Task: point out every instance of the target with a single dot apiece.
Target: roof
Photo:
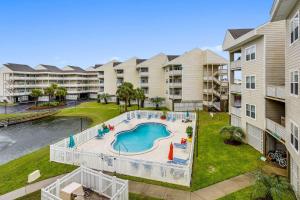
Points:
(76, 69)
(236, 33)
(116, 63)
(19, 67)
(49, 68)
(172, 57)
(138, 61)
(97, 65)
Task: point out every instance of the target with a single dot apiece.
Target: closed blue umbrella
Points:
(187, 114)
(71, 141)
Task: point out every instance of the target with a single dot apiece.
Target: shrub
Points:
(189, 131)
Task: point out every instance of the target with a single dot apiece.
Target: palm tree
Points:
(140, 97)
(104, 96)
(124, 92)
(131, 92)
(61, 93)
(272, 187)
(232, 134)
(157, 101)
(50, 92)
(36, 93)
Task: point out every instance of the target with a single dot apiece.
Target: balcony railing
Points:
(145, 73)
(276, 129)
(235, 64)
(175, 96)
(236, 88)
(175, 72)
(276, 92)
(236, 111)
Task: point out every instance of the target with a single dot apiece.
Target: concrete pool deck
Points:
(158, 154)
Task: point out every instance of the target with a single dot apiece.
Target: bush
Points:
(189, 131)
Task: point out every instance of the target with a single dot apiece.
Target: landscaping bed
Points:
(48, 105)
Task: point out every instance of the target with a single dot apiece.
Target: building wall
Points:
(292, 102)
(130, 71)
(110, 79)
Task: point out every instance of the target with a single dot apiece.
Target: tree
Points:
(104, 96)
(140, 97)
(232, 134)
(61, 93)
(124, 92)
(157, 101)
(131, 92)
(272, 187)
(50, 91)
(36, 93)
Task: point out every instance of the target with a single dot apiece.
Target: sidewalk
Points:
(212, 192)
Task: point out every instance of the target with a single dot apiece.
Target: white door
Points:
(235, 121)
(255, 137)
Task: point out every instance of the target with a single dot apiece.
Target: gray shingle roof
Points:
(138, 61)
(116, 63)
(19, 67)
(50, 68)
(172, 57)
(236, 33)
(77, 69)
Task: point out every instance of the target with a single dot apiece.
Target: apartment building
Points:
(196, 78)
(256, 100)
(289, 11)
(17, 81)
(201, 71)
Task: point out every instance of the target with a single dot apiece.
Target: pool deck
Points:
(158, 154)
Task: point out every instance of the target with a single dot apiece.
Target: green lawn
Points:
(216, 161)
(7, 104)
(37, 196)
(243, 194)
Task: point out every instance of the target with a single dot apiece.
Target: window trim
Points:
(296, 125)
(250, 111)
(250, 82)
(290, 82)
(290, 26)
(249, 47)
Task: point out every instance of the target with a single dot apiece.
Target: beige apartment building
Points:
(195, 79)
(17, 81)
(289, 11)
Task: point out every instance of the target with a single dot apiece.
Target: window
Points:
(294, 82)
(294, 28)
(294, 136)
(250, 111)
(250, 82)
(250, 53)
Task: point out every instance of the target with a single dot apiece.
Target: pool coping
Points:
(155, 142)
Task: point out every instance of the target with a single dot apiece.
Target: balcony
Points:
(235, 65)
(277, 92)
(235, 111)
(176, 72)
(208, 90)
(236, 88)
(277, 130)
(175, 85)
(175, 96)
(144, 73)
(144, 84)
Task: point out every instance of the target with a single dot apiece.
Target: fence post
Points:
(100, 182)
(81, 175)
(126, 191)
(57, 187)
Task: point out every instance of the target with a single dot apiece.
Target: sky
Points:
(88, 32)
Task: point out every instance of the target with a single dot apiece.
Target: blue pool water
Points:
(139, 139)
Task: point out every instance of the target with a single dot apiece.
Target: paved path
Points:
(212, 192)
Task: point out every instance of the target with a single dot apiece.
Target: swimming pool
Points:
(140, 139)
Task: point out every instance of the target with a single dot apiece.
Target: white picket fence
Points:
(171, 173)
(108, 186)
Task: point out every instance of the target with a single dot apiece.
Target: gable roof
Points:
(19, 67)
(172, 57)
(138, 61)
(76, 69)
(49, 68)
(236, 33)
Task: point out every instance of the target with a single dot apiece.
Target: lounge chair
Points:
(178, 161)
(100, 134)
(111, 128)
(156, 116)
(126, 121)
(180, 146)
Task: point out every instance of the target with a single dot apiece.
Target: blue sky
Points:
(85, 32)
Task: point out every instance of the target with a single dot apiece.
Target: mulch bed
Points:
(232, 142)
(45, 107)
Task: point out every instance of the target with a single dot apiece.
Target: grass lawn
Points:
(4, 116)
(239, 195)
(37, 196)
(7, 104)
(216, 161)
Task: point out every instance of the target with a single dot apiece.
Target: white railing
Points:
(235, 64)
(108, 186)
(276, 129)
(276, 91)
(171, 173)
(236, 88)
(236, 111)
